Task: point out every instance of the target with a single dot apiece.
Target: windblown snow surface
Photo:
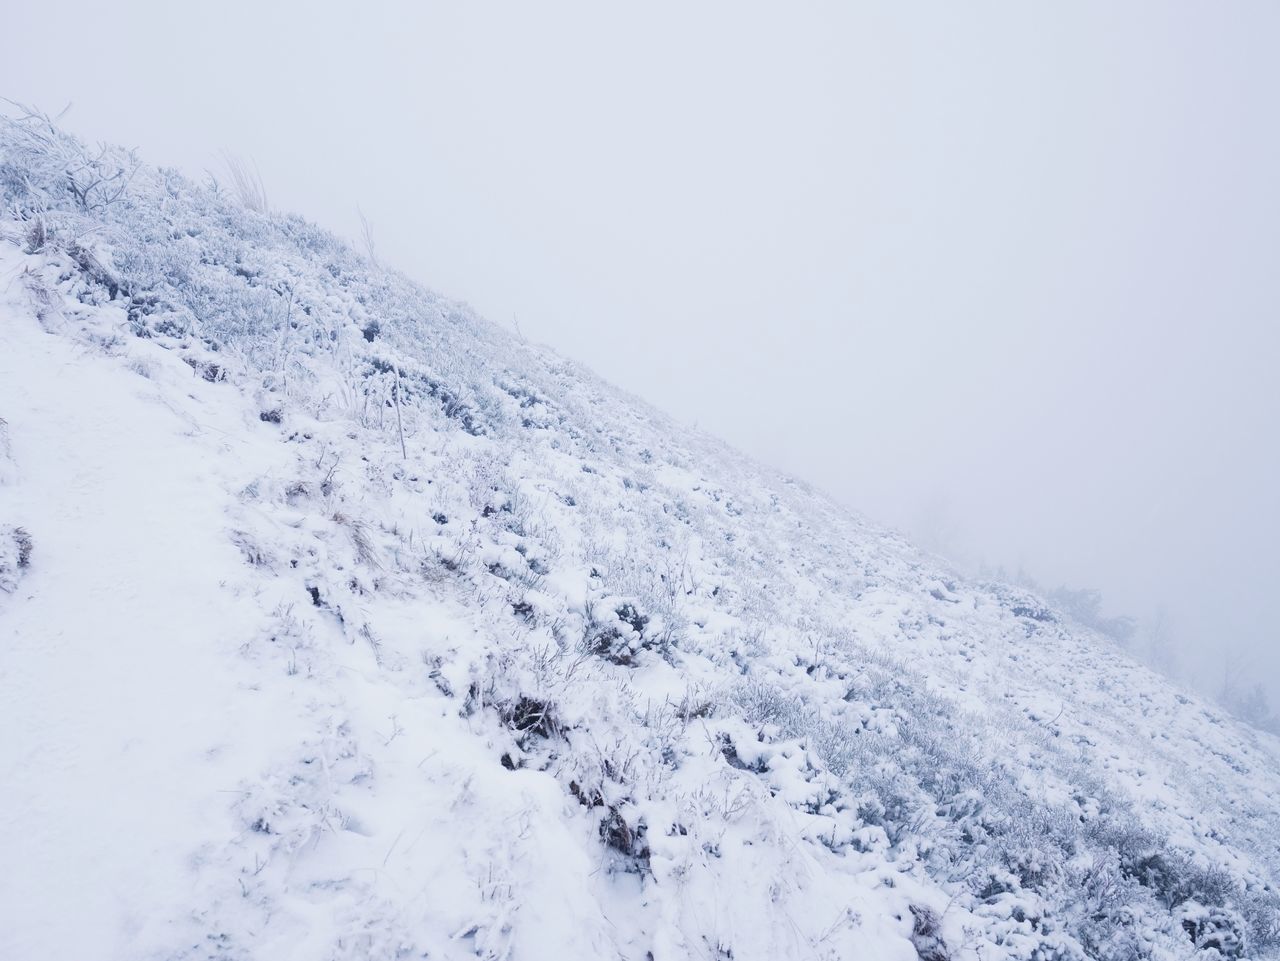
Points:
(335, 623)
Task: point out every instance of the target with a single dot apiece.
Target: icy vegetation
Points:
(336, 623)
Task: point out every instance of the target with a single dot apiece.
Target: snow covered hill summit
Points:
(335, 623)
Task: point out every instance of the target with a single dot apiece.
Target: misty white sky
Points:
(1001, 274)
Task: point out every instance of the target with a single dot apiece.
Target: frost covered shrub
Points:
(764, 703)
(626, 838)
(41, 167)
(37, 235)
(926, 934)
(919, 774)
(654, 594)
(531, 716)
(15, 556)
(274, 289)
(1214, 929)
(615, 630)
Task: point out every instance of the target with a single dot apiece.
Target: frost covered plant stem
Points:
(247, 184)
(404, 453)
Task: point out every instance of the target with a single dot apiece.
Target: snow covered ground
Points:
(347, 626)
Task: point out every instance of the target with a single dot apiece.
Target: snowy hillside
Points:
(337, 623)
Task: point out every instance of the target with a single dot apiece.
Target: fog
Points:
(1002, 275)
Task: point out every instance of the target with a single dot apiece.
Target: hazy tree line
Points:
(1153, 639)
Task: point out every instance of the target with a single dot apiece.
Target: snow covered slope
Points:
(335, 623)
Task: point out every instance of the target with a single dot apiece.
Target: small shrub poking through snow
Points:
(532, 717)
(926, 934)
(626, 839)
(15, 556)
(1215, 929)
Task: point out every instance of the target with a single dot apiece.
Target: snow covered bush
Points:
(15, 556)
(1216, 930)
(926, 934)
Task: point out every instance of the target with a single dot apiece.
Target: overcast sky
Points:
(1004, 275)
